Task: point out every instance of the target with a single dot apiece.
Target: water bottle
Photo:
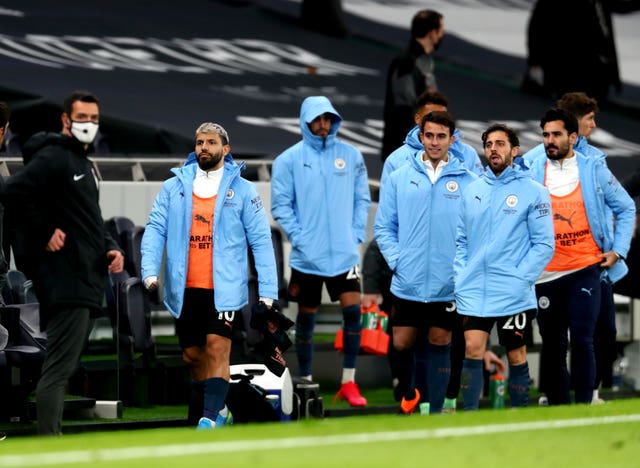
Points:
(619, 369)
(496, 391)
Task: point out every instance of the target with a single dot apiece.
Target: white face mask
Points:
(85, 132)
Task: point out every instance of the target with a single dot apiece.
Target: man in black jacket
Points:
(4, 267)
(409, 75)
(67, 247)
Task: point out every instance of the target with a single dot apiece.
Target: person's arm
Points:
(362, 201)
(375, 270)
(26, 191)
(624, 211)
(385, 227)
(258, 232)
(460, 260)
(283, 198)
(541, 237)
(154, 239)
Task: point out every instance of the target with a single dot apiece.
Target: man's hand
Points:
(150, 283)
(609, 259)
(491, 358)
(369, 299)
(57, 241)
(116, 261)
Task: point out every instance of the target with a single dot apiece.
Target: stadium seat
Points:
(21, 358)
(19, 289)
(130, 315)
(131, 240)
(278, 250)
(116, 226)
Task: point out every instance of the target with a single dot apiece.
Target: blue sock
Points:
(215, 394)
(305, 324)
(438, 372)
(519, 385)
(471, 383)
(421, 372)
(196, 401)
(404, 373)
(352, 328)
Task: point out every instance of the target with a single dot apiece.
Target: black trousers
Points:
(66, 335)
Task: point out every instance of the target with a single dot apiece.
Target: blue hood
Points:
(311, 108)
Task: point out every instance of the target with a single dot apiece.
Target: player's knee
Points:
(474, 350)
(517, 356)
(191, 356)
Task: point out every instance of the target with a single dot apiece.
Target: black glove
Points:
(261, 314)
(272, 355)
(274, 325)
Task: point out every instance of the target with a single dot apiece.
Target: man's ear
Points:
(66, 121)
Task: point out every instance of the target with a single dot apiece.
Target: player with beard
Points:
(320, 197)
(588, 247)
(504, 240)
(584, 108)
(66, 246)
(207, 216)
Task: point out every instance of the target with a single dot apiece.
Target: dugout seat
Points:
(130, 316)
(21, 358)
(19, 289)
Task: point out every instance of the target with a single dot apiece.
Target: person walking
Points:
(320, 197)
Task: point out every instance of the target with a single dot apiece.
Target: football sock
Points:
(215, 394)
(471, 383)
(196, 402)
(404, 373)
(438, 371)
(348, 375)
(351, 320)
(519, 384)
(305, 324)
(421, 353)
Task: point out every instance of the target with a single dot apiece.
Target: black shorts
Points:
(423, 315)
(513, 330)
(306, 289)
(200, 318)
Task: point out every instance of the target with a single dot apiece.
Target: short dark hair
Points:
(431, 97)
(424, 22)
(439, 117)
(579, 104)
(498, 127)
(569, 120)
(79, 95)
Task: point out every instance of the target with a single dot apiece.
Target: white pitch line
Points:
(135, 453)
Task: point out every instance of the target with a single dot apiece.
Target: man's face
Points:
(321, 125)
(80, 112)
(3, 133)
(437, 36)
(424, 110)
(499, 152)
(558, 143)
(436, 140)
(586, 124)
(210, 151)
